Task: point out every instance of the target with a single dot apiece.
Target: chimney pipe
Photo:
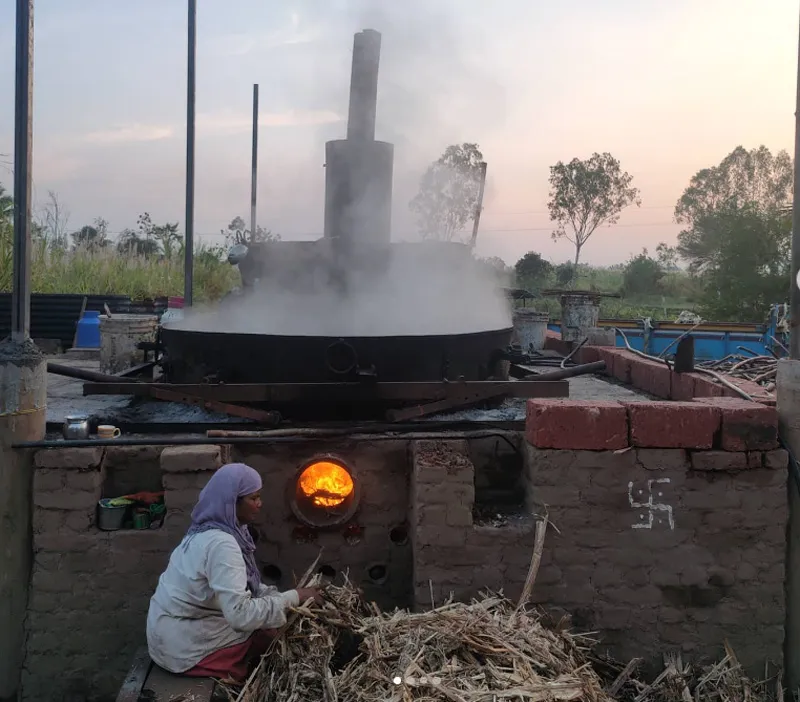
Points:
(364, 86)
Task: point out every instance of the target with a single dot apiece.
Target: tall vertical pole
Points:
(794, 299)
(190, 95)
(23, 142)
(788, 386)
(254, 166)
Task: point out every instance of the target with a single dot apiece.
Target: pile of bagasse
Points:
(490, 650)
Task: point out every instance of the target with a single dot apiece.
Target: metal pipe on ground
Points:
(84, 374)
(564, 373)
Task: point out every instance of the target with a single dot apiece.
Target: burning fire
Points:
(326, 484)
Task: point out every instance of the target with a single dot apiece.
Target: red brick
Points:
(607, 355)
(650, 376)
(589, 354)
(672, 424)
(682, 387)
(571, 424)
(746, 426)
(622, 365)
(704, 386)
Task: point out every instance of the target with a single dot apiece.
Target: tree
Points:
(742, 177)
(642, 275)
(238, 233)
(667, 257)
(532, 270)
(92, 238)
(497, 269)
(54, 222)
(585, 195)
(448, 192)
(565, 273)
(737, 233)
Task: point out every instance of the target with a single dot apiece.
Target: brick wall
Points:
(90, 589)
(452, 552)
(381, 469)
(668, 521)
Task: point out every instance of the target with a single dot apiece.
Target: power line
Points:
(488, 211)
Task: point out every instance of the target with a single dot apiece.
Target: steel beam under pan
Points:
(340, 392)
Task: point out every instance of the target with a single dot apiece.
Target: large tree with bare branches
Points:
(585, 195)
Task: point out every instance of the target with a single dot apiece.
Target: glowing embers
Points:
(326, 484)
(325, 492)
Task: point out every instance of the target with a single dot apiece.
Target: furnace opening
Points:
(325, 492)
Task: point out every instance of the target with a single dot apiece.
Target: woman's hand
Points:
(308, 593)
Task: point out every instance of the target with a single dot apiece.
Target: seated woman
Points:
(210, 615)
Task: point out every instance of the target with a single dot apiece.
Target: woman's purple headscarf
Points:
(216, 509)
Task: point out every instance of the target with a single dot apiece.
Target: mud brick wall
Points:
(90, 589)
(374, 543)
(453, 554)
(672, 523)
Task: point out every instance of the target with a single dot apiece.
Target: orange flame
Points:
(326, 484)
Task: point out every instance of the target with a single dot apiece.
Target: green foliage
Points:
(92, 238)
(532, 271)
(744, 256)
(642, 276)
(585, 195)
(496, 268)
(566, 273)
(737, 235)
(448, 193)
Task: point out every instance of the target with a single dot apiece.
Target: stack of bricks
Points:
(90, 589)
(656, 378)
(671, 522)
(452, 555)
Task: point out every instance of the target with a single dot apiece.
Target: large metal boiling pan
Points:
(197, 356)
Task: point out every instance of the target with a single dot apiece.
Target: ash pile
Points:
(352, 306)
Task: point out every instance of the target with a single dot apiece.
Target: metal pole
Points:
(23, 138)
(788, 383)
(190, 94)
(254, 166)
(794, 304)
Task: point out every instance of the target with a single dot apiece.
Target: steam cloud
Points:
(423, 288)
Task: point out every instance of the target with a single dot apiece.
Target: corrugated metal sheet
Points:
(55, 316)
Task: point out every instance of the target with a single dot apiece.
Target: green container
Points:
(141, 520)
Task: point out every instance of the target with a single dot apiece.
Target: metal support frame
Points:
(188, 262)
(254, 167)
(340, 392)
(23, 143)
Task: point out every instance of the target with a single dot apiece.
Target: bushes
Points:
(104, 271)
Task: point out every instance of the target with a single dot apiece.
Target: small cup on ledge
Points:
(108, 431)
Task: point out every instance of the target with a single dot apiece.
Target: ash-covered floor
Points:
(65, 397)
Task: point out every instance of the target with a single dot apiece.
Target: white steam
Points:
(423, 289)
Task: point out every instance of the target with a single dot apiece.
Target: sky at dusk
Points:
(667, 87)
